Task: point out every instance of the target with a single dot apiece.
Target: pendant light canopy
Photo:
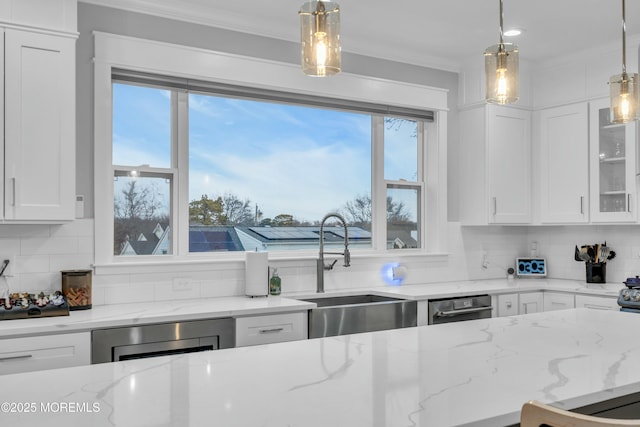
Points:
(625, 101)
(320, 38)
(501, 68)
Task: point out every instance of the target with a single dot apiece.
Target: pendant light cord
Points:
(501, 42)
(624, 41)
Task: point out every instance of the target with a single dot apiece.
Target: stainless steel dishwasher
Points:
(160, 339)
(448, 310)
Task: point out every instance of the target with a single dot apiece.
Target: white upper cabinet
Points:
(509, 165)
(495, 171)
(39, 125)
(613, 169)
(563, 147)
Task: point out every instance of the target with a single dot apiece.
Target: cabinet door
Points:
(564, 164)
(507, 305)
(613, 183)
(39, 126)
(530, 303)
(509, 165)
(558, 301)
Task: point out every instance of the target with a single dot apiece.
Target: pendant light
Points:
(320, 38)
(624, 87)
(501, 69)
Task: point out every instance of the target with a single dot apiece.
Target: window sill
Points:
(236, 260)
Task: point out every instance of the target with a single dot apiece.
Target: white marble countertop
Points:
(475, 373)
(106, 316)
(486, 286)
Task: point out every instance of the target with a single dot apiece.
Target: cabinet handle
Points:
(495, 206)
(13, 191)
(629, 202)
(581, 205)
(24, 356)
(271, 331)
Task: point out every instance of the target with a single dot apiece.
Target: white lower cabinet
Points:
(597, 303)
(44, 352)
(271, 328)
(558, 301)
(531, 302)
(507, 305)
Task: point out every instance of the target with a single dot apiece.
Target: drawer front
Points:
(597, 303)
(271, 328)
(558, 301)
(44, 352)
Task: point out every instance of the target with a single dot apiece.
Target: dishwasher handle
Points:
(461, 311)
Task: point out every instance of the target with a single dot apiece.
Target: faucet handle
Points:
(347, 257)
(330, 266)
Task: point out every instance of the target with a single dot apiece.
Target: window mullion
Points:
(180, 145)
(379, 189)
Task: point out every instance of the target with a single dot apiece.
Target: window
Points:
(160, 115)
(259, 174)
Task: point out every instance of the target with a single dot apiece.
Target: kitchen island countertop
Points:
(476, 373)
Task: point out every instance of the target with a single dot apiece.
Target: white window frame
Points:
(116, 51)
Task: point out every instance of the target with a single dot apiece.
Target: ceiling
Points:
(442, 34)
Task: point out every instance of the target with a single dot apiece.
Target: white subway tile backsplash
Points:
(9, 246)
(32, 264)
(52, 245)
(86, 245)
(32, 282)
(221, 288)
(129, 294)
(22, 231)
(78, 261)
(80, 227)
(169, 292)
(41, 251)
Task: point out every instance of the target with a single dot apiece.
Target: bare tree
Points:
(236, 211)
(358, 211)
(137, 203)
(137, 209)
(396, 212)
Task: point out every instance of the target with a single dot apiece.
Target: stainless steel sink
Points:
(341, 315)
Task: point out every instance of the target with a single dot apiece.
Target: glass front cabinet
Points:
(613, 168)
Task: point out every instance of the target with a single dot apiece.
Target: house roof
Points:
(207, 238)
(309, 234)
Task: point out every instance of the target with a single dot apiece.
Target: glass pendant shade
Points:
(320, 38)
(501, 70)
(625, 100)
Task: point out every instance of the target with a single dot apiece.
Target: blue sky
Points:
(287, 159)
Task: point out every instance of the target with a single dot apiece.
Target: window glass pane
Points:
(402, 218)
(262, 175)
(142, 214)
(141, 126)
(400, 149)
